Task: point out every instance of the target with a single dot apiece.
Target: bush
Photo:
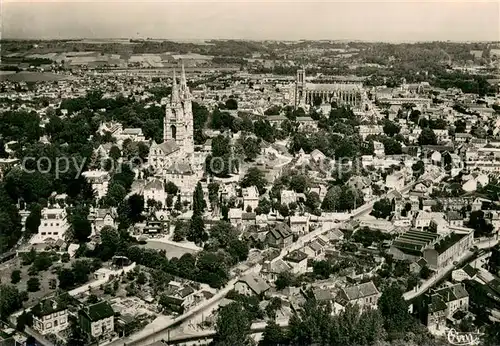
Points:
(15, 277)
(33, 285)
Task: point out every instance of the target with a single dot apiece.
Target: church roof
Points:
(174, 97)
(168, 147)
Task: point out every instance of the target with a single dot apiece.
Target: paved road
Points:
(155, 334)
(486, 244)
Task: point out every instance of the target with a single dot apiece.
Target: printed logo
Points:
(460, 338)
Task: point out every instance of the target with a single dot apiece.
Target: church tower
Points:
(178, 121)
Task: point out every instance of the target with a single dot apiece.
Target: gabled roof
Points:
(256, 283)
(168, 147)
(360, 291)
(154, 184)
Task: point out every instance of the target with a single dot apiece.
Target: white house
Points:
(49, 317)
(395, 181)
(99, 181)
(250, 198)
(155, 190)
(53, 225)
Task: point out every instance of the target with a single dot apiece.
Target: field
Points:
(34, 77)
(172, 250)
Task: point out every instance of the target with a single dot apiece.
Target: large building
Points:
(53, 225)
(350, 94)
(173, 159)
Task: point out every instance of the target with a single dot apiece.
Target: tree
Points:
(213, 194)
(392, 146)
(425, 272)
(390, 128)
(171, 188)
(254, 177)
(233, 326)
(135, 208)
(283, 210)
(272, 336)
(382, 209)
(264, 206)
(15, 276)
(33, 285)
(199, 203)
(81, 227)
(299, 183)
(418, 168)
(427, 137)
(33, 219)
(197, 232)
(231, 104)
(283, 280)
(394, 310)
(115, 153)
(10, 300)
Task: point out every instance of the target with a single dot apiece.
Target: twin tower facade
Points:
(178, 120)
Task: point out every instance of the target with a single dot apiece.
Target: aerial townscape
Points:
(236, 192)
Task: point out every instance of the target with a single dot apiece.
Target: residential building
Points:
(100, 218)
(97, 320)
(99, 181)
(50, 317)
(251, 284)
(365, 295)
(53, 225)
(298, 261)
(250, 198)
(279, 236)
(155, 190)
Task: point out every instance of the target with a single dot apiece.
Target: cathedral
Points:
(173, 159)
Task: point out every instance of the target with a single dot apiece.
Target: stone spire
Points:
(183, 86)
(174, 100)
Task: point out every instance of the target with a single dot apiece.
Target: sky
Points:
(368, 20)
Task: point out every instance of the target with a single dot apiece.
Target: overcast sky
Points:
(403, 20)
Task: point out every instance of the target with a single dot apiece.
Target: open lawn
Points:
(44, 277)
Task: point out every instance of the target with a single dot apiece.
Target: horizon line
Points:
(179, 40)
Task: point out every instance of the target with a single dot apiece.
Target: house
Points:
(271, 269)
(134, 134)
(50, 317)
(395, 181)
(298, 261)
(299, 224)
(455, 219)
(114, 128)
(99, 181)
(97, 320)
(100, 218)
(251, 284)
(180, 300)
(288, 196)
(417, 266)
(279, 236)
(235, 215)
(53, 225)
(155, 190)
(250, 198)
(445, 302)
(314, 249)
(465, 273)
(317, 156)
(365, 295)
